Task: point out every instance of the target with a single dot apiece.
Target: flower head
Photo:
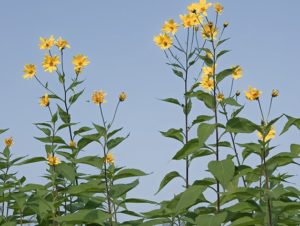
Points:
(61, 43)
(225, 24)
(122, 96)
(218, 8)
(29, 71)
(271, 134)
(170, 27)
(252, 93)
(44, 101)
(46, 43)
(203, 7)
(208, 71)
(79, 61)
(193, 8)
(237, 72)
(209, 55)
(164, 41)
(220, 97)
(72, 144)
(50, 63)
(275, 93)
(8, 142)
(209, 31)
(191, 20)
(98, 97)
(207, 83)
(53, 160)
(109, 158)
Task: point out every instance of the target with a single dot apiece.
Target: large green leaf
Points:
(174, 133)
(172, 101)
(170, 176)
(115, 142)
(125, 173)
(223, 171)
(241, 125)
(291, 122)
(223, 74)
(32, 160)
(120, 189)
(91, 160)
(204, 132)
(67, 171)
(189, 148)
(211, 220)
(206, 98)
(84, 216)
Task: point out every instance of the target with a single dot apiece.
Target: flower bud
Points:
(122, 97)
(275, 93)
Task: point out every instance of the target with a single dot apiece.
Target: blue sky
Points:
(117, 38)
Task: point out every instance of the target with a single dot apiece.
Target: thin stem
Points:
(231, 87)
(115, 113)
(261, 111)
(44, 86)
(270, 107)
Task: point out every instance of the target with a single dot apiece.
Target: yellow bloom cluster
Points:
(271, 134)
(164, 41)
(109, 158)
(209, 31)
(207, 83)
(47, 43)
(50, 63)
(98, 97)
(170, 27)
(29, 71)
(61, 43)
(44, 101)
(53, 160)
(237, 72)
(252, 93)
(8, 142)
(191, 20)
(79, 61)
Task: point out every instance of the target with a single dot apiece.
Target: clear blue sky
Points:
(117, 38)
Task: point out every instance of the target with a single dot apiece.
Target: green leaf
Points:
(202, 118)
(178, 73)
(295, 149)
(190, 197)
(109, 135)
(206, 98)
(204, 132)
(211, 220)
(92, 161)
(54, 118)
(172, 101)
(222, 53)
(67, 171)
(174, 133)
(190, 147)
(209, 62)
(121, 189)
(32, 160)
(170, 176)
(55, 139)
(84, 216)
(241, 125)
(188, 107)
(82, 130)
(222, 41)
(73, 98)
(231, 101)
(125, 173)
(134, 200)
(223, 171)
(3, 130)
(223, 74)
(100, 129)
(64, 116)
(115, 142)
(291, 122)
(236, 112)
(246, 221)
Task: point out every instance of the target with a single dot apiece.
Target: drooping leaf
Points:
(189, 148)
(126, 173)
(174, 133)
(115, 142)
(168, 178)
(172, 101)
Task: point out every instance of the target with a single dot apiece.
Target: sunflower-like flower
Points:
(46, 43)
(50, 63)
(53, 160)
(29, 71)
(203, 7)
(252, 93)
(191, 20)
(170, 27)
(44, 101)
(271, 134)
(218, 8)
(209, 31)
(8, 142)
(61, 43)
(98, 97)
(207, 83)
(164, 41)
(109, 158)
(237, 72)
(220, 97)
(79, 61)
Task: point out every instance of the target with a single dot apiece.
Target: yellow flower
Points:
(218, 8)
(79, 61)
(29, 71)
(203, 7)
(209, 31)
(275, 93)
(72, 144)
(109, 158)
(271, 134)
(252, 93)
(237, 72)
(44, 101)
(193, 8)
(50, 63)
(46, 43)
(98, 97)
(8, 142)
(220, 97)
(170, 27)
(122, 96)
(191, 20)
(207, 83)
(209, 55)
(62, 44)
(53, 160)
(164, 41)
(208, 71)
